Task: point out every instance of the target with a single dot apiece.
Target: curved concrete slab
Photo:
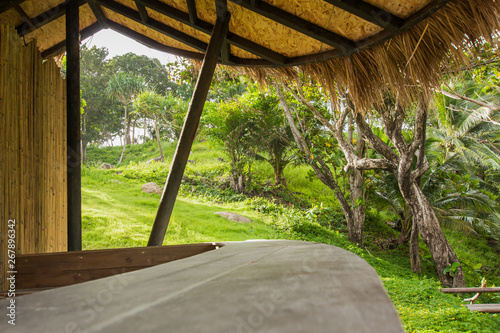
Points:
(252, 286)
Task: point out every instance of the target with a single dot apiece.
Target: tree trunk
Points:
(126, 136)
(406, 226)
(159, 142)
(358, 207)
(133, 131)
(237, 182)
(356, 182)
(416, 267)
(84, 150)
(431, 232)
(279, 179)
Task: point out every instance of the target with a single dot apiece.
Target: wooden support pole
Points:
(189, 131)
(73, 126)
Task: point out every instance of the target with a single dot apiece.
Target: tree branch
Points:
(455, 95)
(380, 146)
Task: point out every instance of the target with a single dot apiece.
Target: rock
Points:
(151, 188)
(119, 172)
(156, 159)
(106, 166)
(191, 161)
(234, 217)
(116, 181)
(220, 159)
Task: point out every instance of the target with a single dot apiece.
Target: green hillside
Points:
(116, 213)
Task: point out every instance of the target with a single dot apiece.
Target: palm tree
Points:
(124, 88)
(463, 149)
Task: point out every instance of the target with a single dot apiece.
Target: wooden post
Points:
(73, 125)
(189, 131)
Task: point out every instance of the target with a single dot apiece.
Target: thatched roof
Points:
(362, 45)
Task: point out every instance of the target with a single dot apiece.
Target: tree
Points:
(124, 88)
(400, 160)
(230, 125)
(157, 108)
(353, 203)
(156, 76)
(270, 133)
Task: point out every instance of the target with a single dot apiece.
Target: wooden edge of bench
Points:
(471, 290)
(487, 308)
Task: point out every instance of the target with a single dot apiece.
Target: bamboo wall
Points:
(32, 150)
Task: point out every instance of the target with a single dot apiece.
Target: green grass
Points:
(120, 215)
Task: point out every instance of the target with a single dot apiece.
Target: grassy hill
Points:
(116, 213)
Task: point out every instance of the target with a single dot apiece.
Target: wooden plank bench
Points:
(38, 272)
(487, 308)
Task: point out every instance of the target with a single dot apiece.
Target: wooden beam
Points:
(486, 308)
(151, 43)
(296, 23)
(6, 5)
(226, 53)
(193, 14)
(61, 47)
(142, 11)
(206, 27)
(370, 13)
(45, 18)
(369, 42)
(155, 25)
(25, 16)
(257, 49)
(177, 15)
(189, 131)
(49, 270)
(471, 290)
(98, 13)
(73, 126)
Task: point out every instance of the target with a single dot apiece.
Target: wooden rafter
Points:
(6, 5)
(44, 18)
(381, 37)
(151, 43)
(98, 13)
(193, 14)
(257, 49)
(206, 27)
(297, 23)
(142, 11)
(61, 47)
(393, 26)
(370, 13)
(155, 25)
(25, 16)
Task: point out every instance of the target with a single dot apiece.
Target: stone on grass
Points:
(115, 181)
(151, 188)
(234, 217)
(156, 159)
(106, 166)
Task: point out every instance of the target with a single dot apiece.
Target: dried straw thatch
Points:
(338, 47)
(410, 63)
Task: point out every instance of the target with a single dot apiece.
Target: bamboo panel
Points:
(32, 150)
(3, 157)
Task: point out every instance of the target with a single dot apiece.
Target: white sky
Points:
(118, 44)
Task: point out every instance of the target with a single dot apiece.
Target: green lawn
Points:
(121, 215)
